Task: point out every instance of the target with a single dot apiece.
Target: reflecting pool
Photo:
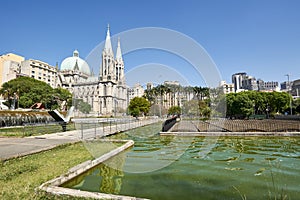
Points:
(234, 168)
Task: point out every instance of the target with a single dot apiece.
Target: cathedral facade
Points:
(105, 93)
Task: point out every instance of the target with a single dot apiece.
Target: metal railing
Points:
(97, 128)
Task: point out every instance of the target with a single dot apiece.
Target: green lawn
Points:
(21, 176)
(25, 131)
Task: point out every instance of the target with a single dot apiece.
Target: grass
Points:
(26, 131)
(21, 176)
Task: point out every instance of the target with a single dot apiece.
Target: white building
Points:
(227, 87)
(136, 91)
(107, 93)
(13, 66)
(73, 70)
(41, 71)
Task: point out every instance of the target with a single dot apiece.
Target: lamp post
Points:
(289, 88)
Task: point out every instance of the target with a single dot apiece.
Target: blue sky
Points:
(260, 37)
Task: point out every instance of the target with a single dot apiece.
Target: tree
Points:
(26, 91)
(297, 105)
(244, 104)
(150, 96)
(201, 93)
(85, 107)
(59, 97)
(174, 110)
(82, 106)
(138, 106)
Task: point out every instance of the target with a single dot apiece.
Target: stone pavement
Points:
(15, 147)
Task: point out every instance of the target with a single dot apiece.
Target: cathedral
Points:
(106, 93)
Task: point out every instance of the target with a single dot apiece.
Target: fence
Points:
(266, 125)
(30, 129)
(97, 128)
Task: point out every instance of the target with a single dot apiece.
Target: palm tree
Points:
(201, 93)
(161, 90)
(150, 96)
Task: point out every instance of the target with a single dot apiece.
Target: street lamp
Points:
(289, 88)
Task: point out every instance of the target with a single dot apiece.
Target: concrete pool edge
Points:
(217, 134)
(53, 186)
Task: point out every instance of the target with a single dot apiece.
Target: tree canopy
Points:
(174, 110)
(166, 96)
(82, 106)
(246, 103)
(138, 106)
(27, 91)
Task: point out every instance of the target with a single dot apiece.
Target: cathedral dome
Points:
(75, 63)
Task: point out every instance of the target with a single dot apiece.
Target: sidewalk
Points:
(15, 147)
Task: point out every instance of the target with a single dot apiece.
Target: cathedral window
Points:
(117, 74)
(104, 103)
(105, 90)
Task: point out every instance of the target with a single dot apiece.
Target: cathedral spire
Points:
(119, 52)
(107, 46)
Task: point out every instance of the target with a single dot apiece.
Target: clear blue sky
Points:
(260, 37)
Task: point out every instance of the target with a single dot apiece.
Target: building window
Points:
(105, 90)
(32, 72)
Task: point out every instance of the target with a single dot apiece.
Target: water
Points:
(235, 168)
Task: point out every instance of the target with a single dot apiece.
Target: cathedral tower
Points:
(107, 70)
(119, 65)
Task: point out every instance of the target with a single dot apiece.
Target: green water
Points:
(177, 168)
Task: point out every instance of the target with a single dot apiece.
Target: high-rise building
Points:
(10, 67)
(271, 86)
(243, 82)
(249, 83)
(295, 89)
(41, 71)
(237, 80)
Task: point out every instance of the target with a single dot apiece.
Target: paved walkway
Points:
(15, 147)
(184, 126)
